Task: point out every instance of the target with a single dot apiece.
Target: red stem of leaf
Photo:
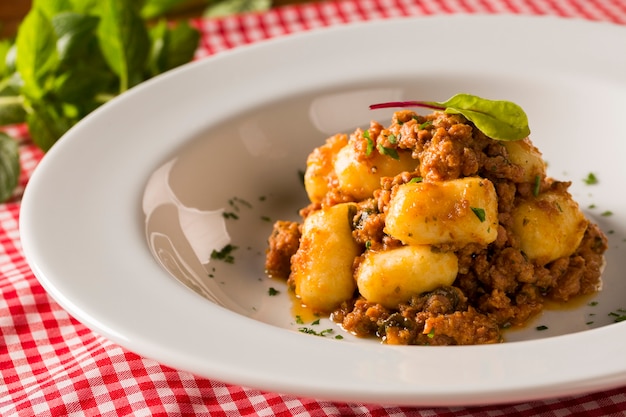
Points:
(406, 104)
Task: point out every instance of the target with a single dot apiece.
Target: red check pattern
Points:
(52, 365)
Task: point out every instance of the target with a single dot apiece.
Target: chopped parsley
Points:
(392, 139)
(390, 152)
(607, 213)
(541, 328)
(236, 202)
(537, 186)
(308, 330)
(415, 180)
(591, 179)
(226, 254)
(370, 143)
(618, 315)
(480, 213)
(273, 291)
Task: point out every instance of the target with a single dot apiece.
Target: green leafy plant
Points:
(71, 56)
(498, 119)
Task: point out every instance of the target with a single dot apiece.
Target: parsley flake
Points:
(390, 152)
(480, 213)
(591, 179)
(225, 254)
(370, 143)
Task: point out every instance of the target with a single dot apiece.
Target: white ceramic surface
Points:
(157, 168)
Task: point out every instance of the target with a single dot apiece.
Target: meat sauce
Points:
(498, 284)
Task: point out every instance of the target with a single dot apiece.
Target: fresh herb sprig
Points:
(71, 56)
(498, 119)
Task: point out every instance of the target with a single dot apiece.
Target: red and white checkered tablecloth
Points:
(52, 365)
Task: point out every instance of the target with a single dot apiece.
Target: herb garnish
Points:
(619, 315)
(370, 143)
(321, 333)
(537, 186)
(273, 291)
(480, 213)
(390, 152)
(70, 57)
(541, 328)
(226, 254)
(591, 179)
(498, 119)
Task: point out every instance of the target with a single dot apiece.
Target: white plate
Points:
(239, 126)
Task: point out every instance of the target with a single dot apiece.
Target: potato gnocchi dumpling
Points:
(426, 231)
(458, 211)
(549, 226)
(359, 177)
(393, 276)
(321, 268)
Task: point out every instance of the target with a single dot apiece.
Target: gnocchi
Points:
(459, 211)
(524, 154)
(322, 265)
(429, 232)
(549, 226)
(392, 277)
(359, 178)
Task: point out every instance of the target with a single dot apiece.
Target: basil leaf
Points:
(9, 166)
(9, 60)
(83, 73)
(498, 119)
(47, 123)
(82, 84)
(52, 7)
(171, 47)
(159, 39)
(75, 33)
(11, 105)
(124, 41)
(182, 45)
(36, 57)
(5, 48)
(226, 8)
(156, 8)
(85, 6)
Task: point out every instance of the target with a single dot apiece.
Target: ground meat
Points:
(441, 317)
(497, 286)
(283, 243)
(580, 273)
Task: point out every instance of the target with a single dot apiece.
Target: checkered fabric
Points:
(52, 365)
